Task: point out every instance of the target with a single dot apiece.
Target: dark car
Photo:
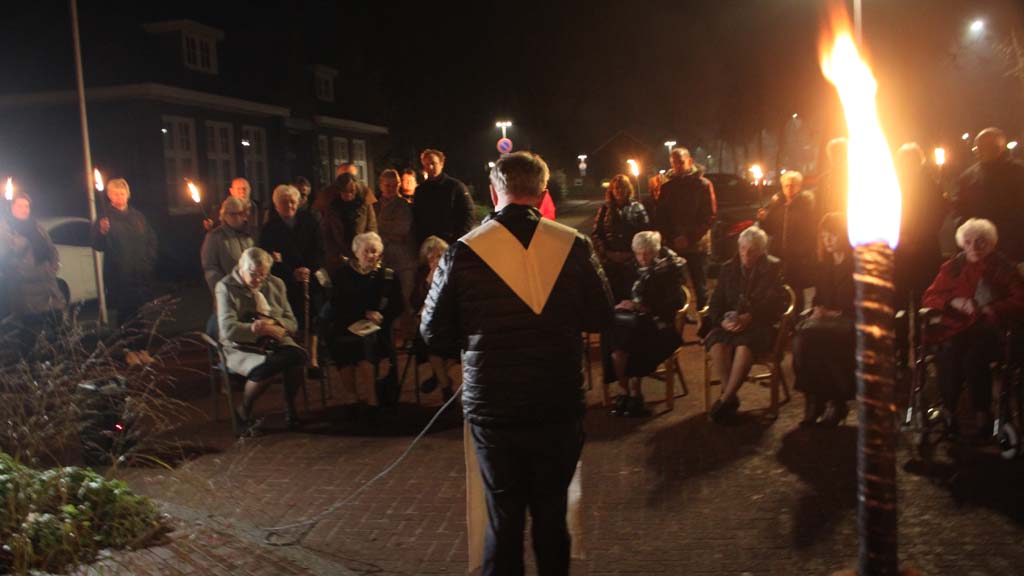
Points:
(738, 201)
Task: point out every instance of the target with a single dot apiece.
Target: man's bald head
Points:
(990, 144)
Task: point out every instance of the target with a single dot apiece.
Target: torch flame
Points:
(757, 172)
(97, 179)
(873, 198)
(9, 189)
(194, 190)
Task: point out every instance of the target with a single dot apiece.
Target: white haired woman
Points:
(440, 360)
(643, 331)
(979, 292)
(364, 301)
(745, 306)
(292, 237)
(256, 324)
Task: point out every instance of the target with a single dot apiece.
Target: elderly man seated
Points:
(256, 324)
(643, 331)
(978, 293)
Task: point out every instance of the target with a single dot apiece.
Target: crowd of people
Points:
(799, 239)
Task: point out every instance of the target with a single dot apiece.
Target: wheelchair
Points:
(927, 417)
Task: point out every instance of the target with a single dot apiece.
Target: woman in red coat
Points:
(979, 293)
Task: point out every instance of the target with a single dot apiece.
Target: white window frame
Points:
(359, 158)
(254, 158)
(324, 87)
(199, 42)
(339, 152)
(219, 175)
(184, 161)
(323, 155)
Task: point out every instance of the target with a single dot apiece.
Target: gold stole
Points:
(531, 273)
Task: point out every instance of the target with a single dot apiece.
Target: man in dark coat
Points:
(130, 247)
(442, 205)
(685, 211)
(791, 222)
(514, 295)
(993, 189)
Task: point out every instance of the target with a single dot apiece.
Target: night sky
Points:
(572, 74)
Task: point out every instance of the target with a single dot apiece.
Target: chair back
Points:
(680, 320)
(785, 323)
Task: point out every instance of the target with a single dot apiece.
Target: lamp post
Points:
(670, 144)
(582, 165)
(504, 125)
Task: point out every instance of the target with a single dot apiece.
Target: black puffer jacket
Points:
(442, 207)
(519, 368)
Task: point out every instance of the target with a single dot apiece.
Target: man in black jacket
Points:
(993, 188)
(514, 295)
(442, 205)
(686, 209)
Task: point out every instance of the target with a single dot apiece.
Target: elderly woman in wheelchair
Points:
(643, 332)
(748, 301)
(975, 297)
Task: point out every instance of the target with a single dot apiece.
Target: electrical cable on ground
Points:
(274, 536)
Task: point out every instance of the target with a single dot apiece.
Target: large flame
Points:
(873, 199)
(9, 189)
(97, 179)
(194, 191)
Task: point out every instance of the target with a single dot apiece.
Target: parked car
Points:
(72, 237)
(738, 201)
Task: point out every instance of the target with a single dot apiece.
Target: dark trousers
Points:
(697, 263)
(966, 357)
(527, 468)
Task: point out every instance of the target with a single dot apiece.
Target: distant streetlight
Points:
(965, 136)
(1011, 144)
(757, 173)
(245, 143)
(670, 144)
(795, 115)
(490, 164)
(978, 26)
(504, 125)
(583, 164)
(940, 156)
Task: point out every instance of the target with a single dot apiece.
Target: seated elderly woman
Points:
(440, 360)
(256, 323)
(745, 306)
(364, 301)
(978, 293)
(823, 350)
(643, 332)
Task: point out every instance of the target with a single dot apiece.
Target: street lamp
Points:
(1011, 144)
(582, 165)
(504, 125)
(670, 144)
(965, 136)
(795, 115)
(940, 157)
(977, 26)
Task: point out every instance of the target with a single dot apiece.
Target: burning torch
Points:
(194, 191)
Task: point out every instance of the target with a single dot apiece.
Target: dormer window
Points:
(198, 42)
(323, 83)
(200, 52)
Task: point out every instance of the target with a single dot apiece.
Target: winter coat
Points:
(659, 289)
(686, 209)
(236, 311)
(341, 222)
(918, 255)
(30, 264)
(442, 207)
(222, 248)
(758, 291)
(519, 367)
(299, 246)
(130, 250)
(614, 227)
(995, 191)
(793, 230)
(396, 228)
(994, 281)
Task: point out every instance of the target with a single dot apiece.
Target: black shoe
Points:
(715, 414)
(314, 373)
(292, 422)
(730, 407)
(637, 408)
(835, 414)
(429, 385)
(622, 404)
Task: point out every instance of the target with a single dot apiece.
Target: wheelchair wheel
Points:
(1008, 441)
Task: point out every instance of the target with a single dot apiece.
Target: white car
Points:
(72, 236)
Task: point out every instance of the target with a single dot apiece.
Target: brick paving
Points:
(671, 494)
